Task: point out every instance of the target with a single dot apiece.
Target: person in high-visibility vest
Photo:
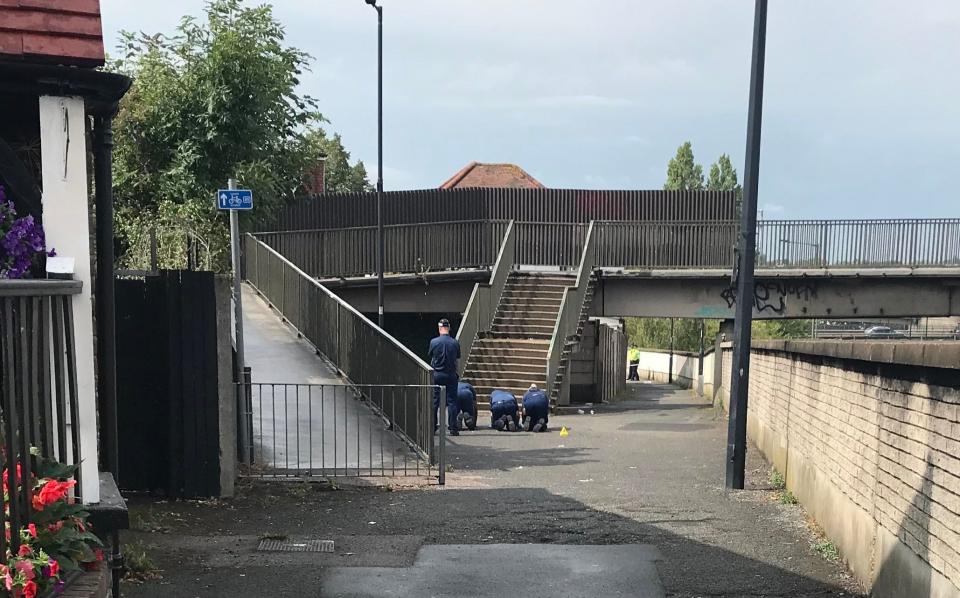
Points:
(633, 357)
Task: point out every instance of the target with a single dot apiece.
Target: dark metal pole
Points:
(380, 241)
(105, 292)
(670, 366)
(702, 357)
(740, 375)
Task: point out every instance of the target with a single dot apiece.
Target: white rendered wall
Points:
(66, 222)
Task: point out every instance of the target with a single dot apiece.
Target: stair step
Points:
(546, 336)
(523, 320)
(479, 371)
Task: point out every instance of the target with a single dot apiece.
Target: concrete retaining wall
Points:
(867, 436)
(654, 366)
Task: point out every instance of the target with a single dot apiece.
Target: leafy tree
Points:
(654, 333)
(683, 173)
(218, 99)
(340, 174)
(723, 176)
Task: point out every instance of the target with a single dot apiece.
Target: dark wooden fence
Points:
(38, 389)
(351, 210)
(168, 384)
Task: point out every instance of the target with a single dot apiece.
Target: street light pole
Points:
(740, 376)
(380, 241)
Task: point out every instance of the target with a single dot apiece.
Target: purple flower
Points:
(22, 241)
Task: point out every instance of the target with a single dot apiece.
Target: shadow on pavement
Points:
(209, 549)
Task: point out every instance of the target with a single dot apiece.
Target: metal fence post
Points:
(442, 461)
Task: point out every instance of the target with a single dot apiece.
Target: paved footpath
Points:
(642, 480)
(303, 415)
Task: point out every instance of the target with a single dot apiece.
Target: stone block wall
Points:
(869, 442)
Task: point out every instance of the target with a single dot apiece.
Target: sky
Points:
(861, 115)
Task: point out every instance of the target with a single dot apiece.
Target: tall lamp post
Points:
(740, 376)
(380, 243)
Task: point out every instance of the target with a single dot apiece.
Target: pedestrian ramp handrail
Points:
(364, 353)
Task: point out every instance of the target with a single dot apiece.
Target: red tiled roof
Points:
(476, 174)
(52, 31)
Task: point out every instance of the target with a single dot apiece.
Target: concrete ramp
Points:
(501, 570)
(304, 419)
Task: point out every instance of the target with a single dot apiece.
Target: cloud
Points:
(772, 208)
(578, 101)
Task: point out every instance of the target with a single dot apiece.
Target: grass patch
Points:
(826, 549)
(777, 480)
(787, 498)
(138, 564)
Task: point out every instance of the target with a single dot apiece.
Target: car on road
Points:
(883, 332)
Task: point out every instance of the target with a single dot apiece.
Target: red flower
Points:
(55, 527)
(26, 569)
(29, 591)
(25, 550)
(51, 492)
(32, 529)
(54, 567)
(99, 554)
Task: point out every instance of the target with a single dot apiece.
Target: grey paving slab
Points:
(529, 570)
(304, 417)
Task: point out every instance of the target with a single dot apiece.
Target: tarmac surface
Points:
(639, 478)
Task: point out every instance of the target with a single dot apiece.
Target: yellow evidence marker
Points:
(563, 432)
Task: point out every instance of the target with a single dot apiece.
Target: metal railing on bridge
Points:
(363, 353)
(638, 245)
(933, 242)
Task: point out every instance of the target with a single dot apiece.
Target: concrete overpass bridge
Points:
(526, 289)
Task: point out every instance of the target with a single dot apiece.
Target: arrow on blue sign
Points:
(235, 199)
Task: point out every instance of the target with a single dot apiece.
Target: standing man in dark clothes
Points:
(444, 353)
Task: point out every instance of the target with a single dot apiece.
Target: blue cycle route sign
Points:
(235, 199)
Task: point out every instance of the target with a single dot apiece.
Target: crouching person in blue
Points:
(503, 411)
(536, 410)
(443, 354)
(467, 403)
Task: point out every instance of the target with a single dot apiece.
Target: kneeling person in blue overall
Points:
(536, 410)
(503, 411)
(467, 403)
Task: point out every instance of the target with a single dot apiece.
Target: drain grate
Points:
(268, 545)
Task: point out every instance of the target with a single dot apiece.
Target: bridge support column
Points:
(725, 334)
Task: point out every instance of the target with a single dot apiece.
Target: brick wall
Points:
(872, 449)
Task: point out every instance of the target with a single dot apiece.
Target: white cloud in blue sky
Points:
(862, 97)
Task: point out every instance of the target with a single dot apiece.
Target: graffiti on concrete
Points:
(772, 296)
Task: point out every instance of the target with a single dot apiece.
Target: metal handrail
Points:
(361, 351)
(570, 307)
(485, 298)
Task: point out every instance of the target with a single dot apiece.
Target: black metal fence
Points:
(38, 390)
(930, 242)
(365, 354)
(304, 430)
(348, 210)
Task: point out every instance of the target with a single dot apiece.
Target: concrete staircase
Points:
(513, 354)
(572, 342)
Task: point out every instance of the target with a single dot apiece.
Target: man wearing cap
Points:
(443, 354)
(503, 410)
(536, 410)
